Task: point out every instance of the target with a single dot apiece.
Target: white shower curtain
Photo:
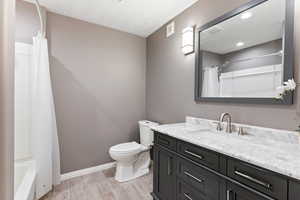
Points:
(210, 83)
(43, 126)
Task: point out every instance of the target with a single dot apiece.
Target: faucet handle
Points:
(241, 131)
(219, 126)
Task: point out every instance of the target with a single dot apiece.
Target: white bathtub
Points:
(25, 175)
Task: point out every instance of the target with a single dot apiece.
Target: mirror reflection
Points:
(243, 56)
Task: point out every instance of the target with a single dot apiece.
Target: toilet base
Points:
(129, 171)
(139, 173)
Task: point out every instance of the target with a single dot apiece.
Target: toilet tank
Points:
(146, 134)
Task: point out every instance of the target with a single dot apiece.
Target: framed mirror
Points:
(246, 54)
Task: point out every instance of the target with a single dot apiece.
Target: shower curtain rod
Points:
(38, 7)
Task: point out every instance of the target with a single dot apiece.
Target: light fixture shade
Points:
(188, 40)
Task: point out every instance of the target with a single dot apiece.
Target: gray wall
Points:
(98, 78)
(258, 50)
(170, 76)
(210, 59)
(7, 22)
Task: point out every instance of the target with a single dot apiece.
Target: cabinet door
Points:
(294, 190)
(235, 192)
(164, 174)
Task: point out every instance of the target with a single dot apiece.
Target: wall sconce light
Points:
(188, 40)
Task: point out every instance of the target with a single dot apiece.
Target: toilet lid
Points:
(126, 147)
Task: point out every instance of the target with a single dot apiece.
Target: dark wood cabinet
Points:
(207, 183)
(235, 192)
(294, 190)
(186, 192)
(199, 155)
(164, 174)
(262, 180)
(165, 141)
(184, 171)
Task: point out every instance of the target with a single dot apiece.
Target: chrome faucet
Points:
(228, 120)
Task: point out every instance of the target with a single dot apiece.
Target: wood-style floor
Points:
(102, 186)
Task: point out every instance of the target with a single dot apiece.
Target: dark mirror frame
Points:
(288, 56)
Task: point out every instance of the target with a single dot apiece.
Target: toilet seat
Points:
(130, 147)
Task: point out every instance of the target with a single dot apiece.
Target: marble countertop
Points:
(278, 156)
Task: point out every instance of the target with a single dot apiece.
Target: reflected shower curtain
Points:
(44, 130)
(210, 84)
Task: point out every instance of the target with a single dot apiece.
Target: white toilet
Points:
(133, 159)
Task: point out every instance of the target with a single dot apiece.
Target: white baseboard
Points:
(86, 171)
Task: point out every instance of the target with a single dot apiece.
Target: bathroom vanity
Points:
(192, 161)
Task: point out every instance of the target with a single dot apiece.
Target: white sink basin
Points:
(198, 133)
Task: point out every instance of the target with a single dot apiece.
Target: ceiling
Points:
(266, 24)
(139, 17)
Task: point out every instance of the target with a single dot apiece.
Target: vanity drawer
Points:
(198, 178)
(186, 192)
(165, 141)
(199, 155)
(260, 179)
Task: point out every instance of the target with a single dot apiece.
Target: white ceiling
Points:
(139, 17)
(266, 24)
